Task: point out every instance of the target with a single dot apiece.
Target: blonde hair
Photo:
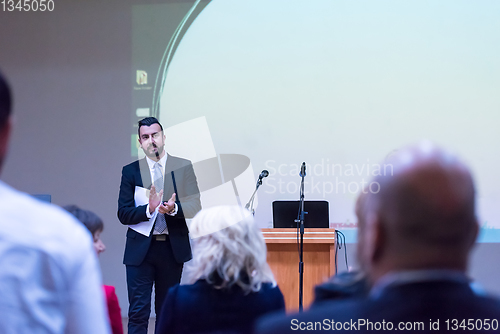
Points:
(230, 250)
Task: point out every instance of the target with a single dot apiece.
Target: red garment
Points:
(115, 315)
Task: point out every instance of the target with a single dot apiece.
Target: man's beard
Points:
(151, 153)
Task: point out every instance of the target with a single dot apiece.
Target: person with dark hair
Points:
(414, 246)
(91, 221)
(5, 121)
(95, 225)
(157, 193)
(5, 101)
(148, 121)
(50, 280)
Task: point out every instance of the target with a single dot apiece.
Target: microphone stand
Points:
(250, 202)
(300, 226)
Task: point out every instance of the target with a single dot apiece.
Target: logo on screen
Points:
(142, 77)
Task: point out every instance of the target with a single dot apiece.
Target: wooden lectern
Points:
(283, 257)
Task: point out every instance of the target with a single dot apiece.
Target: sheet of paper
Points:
(141, 197)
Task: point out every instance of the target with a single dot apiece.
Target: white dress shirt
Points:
(50, 281)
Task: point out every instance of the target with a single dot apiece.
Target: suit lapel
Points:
(168, 184)
(144, 173)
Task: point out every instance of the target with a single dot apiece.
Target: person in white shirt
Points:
(50, 281)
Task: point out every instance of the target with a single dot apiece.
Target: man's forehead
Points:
(147, 130)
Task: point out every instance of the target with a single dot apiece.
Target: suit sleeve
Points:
(189, 199)
(128, 213)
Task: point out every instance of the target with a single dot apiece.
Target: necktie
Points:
(160, 224)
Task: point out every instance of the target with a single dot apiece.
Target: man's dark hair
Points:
(148, 121)
(91, 221)
(5, 101)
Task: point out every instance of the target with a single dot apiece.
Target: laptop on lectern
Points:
(285, 214)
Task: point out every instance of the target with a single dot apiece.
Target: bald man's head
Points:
(424, 215)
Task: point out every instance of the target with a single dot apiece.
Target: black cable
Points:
(339, 242)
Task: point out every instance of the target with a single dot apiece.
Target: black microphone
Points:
(303, 169)
(264, 174)
(156, 153)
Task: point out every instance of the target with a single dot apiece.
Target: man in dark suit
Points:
(157, 239)
(413, 243)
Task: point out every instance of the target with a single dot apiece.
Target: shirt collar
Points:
(414, 276)
(151, 163)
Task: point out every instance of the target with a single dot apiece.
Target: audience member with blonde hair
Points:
(231, 282)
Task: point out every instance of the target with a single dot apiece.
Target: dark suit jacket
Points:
(345, 285)
(421, 302)
(188, 202)
(200, 308)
